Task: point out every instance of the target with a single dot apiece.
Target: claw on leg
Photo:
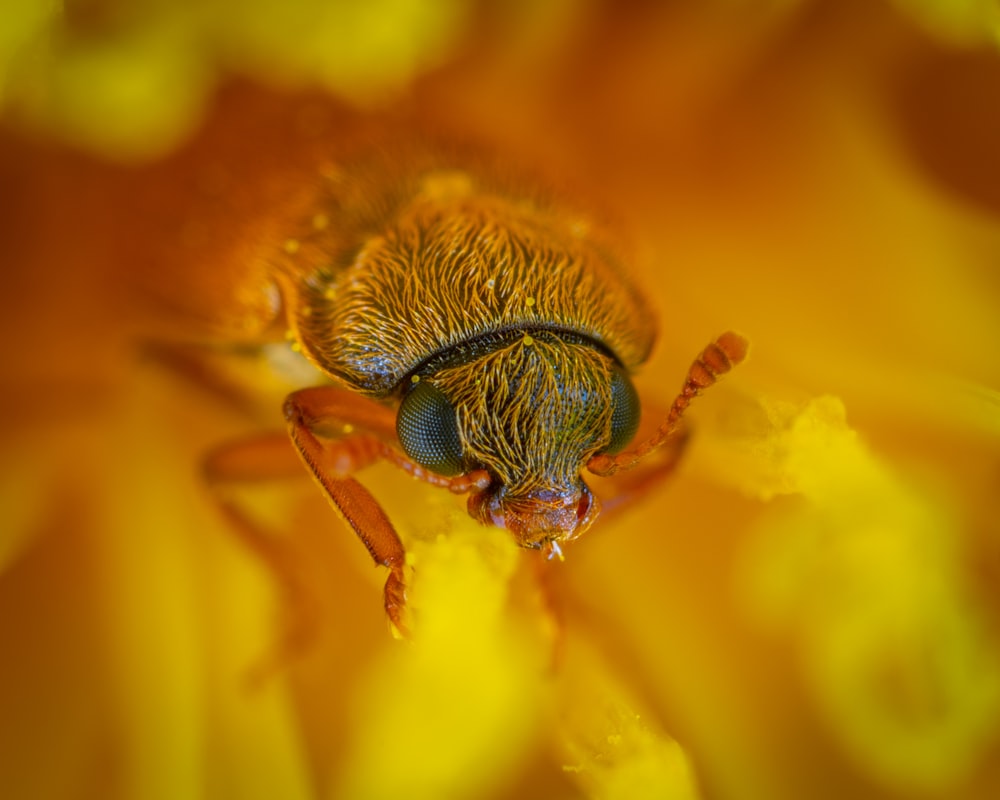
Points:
(311, 413)
(395, 603)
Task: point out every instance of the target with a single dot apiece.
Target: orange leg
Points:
(368, 429)
(264, 458)
(325, 411)
(633, 485)
(336, 433)
(199, 366)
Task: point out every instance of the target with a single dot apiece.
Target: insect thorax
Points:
(455, 262)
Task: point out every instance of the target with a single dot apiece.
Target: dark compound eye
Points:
(624, 411)
(428, 430)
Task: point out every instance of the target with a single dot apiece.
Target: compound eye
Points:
(427, 428)
(624, 411)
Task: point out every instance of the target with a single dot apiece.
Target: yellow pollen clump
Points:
(291, 246)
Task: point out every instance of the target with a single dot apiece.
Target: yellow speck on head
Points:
(320, 221)
(527, 340)
(415, 379)
(291, 246)
(347, 429)
(529, 301)
(330, 293)
(296, 347)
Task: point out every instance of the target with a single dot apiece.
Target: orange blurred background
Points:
(819, 175)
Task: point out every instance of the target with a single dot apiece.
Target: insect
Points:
(479, 337)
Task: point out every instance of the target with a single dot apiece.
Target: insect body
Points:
(484, 339)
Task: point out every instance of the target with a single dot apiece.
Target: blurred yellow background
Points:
(809, 609)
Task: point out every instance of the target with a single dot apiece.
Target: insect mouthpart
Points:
(541, 519)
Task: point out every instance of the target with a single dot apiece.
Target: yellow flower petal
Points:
(963, 21)
(866, 573)
(612, 750)
(134, 88)
(451, 713)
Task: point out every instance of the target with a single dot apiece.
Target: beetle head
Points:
(544, 519)
(532, 414)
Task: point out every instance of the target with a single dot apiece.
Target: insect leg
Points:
(312, 415)
(265, 458)
(204, 367)
(364, 432)
(715, 360)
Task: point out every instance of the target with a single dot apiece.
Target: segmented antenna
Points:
(716, 360)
